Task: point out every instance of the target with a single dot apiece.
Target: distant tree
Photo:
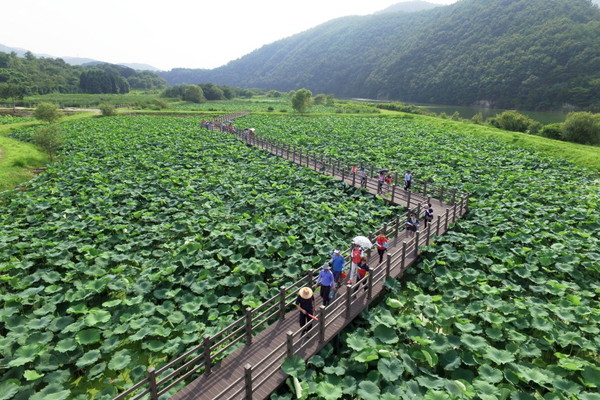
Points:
(302, 100)
(582, 127)
(107, 109)
(319, 99)
(11, 92)
(50, 139)
(47, 112)
(193, 93)
(212, 92)
(274, 93)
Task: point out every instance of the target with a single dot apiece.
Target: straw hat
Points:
(306, 292)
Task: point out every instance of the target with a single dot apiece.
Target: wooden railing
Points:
(420, 192)
(202, 357)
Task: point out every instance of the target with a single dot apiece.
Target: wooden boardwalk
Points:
(252, 349)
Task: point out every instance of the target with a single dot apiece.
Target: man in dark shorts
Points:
(305, 303)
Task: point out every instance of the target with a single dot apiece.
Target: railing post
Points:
(442, 190)
(417, 233)
(467, 203)
(460, 205)
(248, 381)
(290, 343)
(425, 188)
(393, 192)
(354, 179)
(309, 279)
(428, 233)
(248, 326)
(282, 293)
(322, 309)
(403, 261)
(348, 301)
(152, 383)
(294, 155)
(453, 201)
(371, 170)
(397, 229)
(446, 223)
(207, 358)
(385, 228)
(454, 213)
(408, 201)
(437, 227)
(388, 265)
(370, 286)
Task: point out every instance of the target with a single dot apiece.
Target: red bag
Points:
(343, 275)
(362, 272)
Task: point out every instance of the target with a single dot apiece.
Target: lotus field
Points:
(149, 233)
(505, 306)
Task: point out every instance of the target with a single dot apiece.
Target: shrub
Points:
(49, 139)
(107, 110)
(512, 121)
(582, 127)
(47, 112)
(552, 131)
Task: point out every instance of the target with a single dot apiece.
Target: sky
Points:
(166, 34)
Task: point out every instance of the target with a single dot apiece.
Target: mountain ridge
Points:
(529, 54)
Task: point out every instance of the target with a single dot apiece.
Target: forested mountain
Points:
(33, 75)
(528, 54)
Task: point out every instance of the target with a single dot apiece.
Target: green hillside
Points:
(528, 54)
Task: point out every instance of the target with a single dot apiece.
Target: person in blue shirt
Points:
(327, 283)
(337, 263)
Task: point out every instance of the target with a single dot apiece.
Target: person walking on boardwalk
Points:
(388, 182)
(428, 217)
(382, 243)
(337, 263)
(305, 303)
(380, 182)
(407, 180)
(326, 280)
(363, 268)
(355, 256)
(362, 173)
(412, 223)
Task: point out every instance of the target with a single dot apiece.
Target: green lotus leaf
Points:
(26, 354)
(436, 395)
(88, 358)
(32, 375)
(293, 366)
(385, 334)
(9, 388)
(368, 390)
(52, 392)
(96, 370)
(96, 317)
(390, 368)
(329, 391)
(591, 376)
(498, 356)
(119, 360)
(88, 336)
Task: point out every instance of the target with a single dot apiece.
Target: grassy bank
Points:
(17, 159)
(582, 155)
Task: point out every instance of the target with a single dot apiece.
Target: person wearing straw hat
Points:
(327, 283)
(305, 303)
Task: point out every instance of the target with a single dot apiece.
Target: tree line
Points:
(31, 75)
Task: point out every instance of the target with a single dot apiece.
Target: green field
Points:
(150, 232)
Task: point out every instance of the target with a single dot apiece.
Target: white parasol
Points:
(363, 242)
